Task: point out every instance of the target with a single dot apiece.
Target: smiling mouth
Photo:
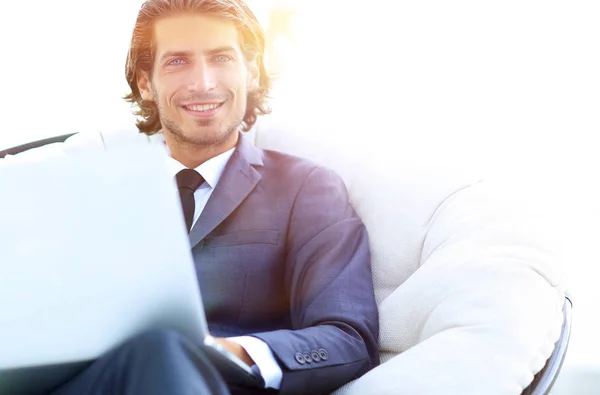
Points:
(203, 108)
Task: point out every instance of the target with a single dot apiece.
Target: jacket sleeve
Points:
(329, 283)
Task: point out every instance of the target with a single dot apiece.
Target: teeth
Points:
(203, 107)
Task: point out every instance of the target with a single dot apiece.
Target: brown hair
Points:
(142, 51)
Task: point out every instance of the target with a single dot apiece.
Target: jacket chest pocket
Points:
(244, 237)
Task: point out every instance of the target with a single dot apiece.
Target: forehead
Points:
(194, 32)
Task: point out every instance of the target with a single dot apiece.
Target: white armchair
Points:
(468, 288)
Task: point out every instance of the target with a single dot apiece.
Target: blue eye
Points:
(223, 58)
(176, 62)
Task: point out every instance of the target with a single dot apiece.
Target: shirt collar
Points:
(211, 170)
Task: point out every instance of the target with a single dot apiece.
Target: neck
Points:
(193, 155)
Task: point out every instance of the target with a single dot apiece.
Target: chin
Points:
(208, 135)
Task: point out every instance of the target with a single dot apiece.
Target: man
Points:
(281, 256)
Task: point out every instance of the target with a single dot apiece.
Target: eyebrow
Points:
(214, 51)
(225, 48)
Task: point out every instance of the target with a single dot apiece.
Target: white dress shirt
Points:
(259, 351)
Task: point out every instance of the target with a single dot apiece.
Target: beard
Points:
(210, 135)
(205, 134)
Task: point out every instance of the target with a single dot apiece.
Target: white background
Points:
(511, 87)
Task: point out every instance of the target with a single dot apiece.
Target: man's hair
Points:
(143, 49)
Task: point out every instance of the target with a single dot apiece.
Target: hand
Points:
(236, 350)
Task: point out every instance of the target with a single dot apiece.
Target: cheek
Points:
(172, 89)
(236, 80)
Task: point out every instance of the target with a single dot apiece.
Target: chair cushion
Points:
(468, 287)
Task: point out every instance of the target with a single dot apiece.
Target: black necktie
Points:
(188, 181)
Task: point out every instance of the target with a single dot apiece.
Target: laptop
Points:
(94, 251)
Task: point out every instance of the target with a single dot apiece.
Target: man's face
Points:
(200, 79)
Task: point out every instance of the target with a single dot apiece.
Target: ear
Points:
(145, 86)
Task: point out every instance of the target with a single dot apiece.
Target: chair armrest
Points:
(483, 311)
(544, 380)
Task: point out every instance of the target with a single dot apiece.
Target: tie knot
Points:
(188, 178)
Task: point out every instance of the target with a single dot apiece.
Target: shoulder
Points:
(298, 169)
(313, 186)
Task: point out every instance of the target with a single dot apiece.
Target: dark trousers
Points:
(156, 363)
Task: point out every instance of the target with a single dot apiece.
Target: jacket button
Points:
(323, 354)
(307, 357)
(299, 358)
(315, 356)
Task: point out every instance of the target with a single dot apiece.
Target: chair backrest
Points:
(34, 144)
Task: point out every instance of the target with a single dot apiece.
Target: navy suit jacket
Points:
(281, 255)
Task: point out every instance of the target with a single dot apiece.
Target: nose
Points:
(202, 78)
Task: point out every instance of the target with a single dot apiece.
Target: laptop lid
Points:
(93, 250)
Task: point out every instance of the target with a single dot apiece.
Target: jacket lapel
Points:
(238, 180)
